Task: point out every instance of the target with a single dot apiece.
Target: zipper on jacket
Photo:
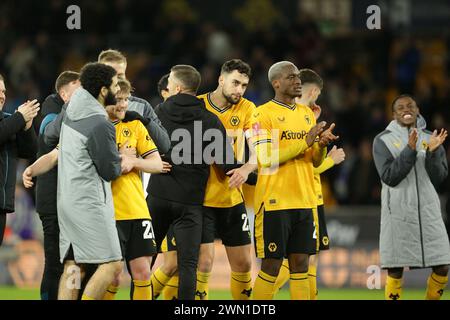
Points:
(420, 220)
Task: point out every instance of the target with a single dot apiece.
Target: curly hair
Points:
(237, 64)
(95, 76)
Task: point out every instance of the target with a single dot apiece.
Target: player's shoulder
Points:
(134, 125)
(136, 100)
(379, 137)
(265, 106)
(246, 104)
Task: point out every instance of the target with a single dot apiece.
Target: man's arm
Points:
(53, 129)
(155, 128)
(42, 165)
(327, 164)
(392, 170)
(26, 144)
(334, 157)
(10, 126)
(102, 148)
(224, 158)
(436, 166)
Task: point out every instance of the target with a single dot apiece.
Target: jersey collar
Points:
(290, 107)
(216, 107)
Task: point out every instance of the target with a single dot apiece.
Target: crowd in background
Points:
(362, 71)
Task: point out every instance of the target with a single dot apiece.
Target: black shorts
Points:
(169, 243)
(283, 232)
(137, 238)
(228, 224)
(323, 232)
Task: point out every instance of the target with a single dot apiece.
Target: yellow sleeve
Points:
(327, 164)
(248, 116)
(262, 141)
(145, 145)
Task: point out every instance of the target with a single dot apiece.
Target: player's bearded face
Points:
(110, 98)
(231, 98)
(234, 86)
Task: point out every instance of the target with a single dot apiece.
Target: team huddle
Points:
(210, 156)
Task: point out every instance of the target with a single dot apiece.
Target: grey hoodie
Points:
(412, 230)
(88, 161)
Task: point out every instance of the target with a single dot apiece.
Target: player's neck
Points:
(284, 99)
(219, 100)
(304, 102)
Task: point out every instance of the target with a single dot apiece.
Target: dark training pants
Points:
(53, 268)
(187, 227)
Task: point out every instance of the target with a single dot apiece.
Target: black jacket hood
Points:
(182, 108)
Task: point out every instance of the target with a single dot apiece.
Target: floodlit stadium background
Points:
(362, 69)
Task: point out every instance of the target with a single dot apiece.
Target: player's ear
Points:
(221, 80)
(275, 84)
(104, 91)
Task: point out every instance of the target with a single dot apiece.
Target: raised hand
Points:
(338, 155)
(437, 140)
(29, 110)
(412, 140)
(327, 136)
(314, 132)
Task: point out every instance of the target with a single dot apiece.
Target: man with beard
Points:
(224, 212)
(88, 160)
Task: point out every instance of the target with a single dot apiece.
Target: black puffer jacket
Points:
(14, 143)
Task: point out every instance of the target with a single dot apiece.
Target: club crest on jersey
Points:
(307, 119)
(272, 247)
(126, 132)
(235, 121)
(424, 145)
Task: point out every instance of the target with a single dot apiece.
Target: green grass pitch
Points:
(12, 293)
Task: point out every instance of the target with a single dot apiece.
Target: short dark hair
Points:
(112, 55)
(189, 77)
(95, 76)
(405, 95)
(237, 64)
(65, 78)
(162, 84)
(308, 76)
